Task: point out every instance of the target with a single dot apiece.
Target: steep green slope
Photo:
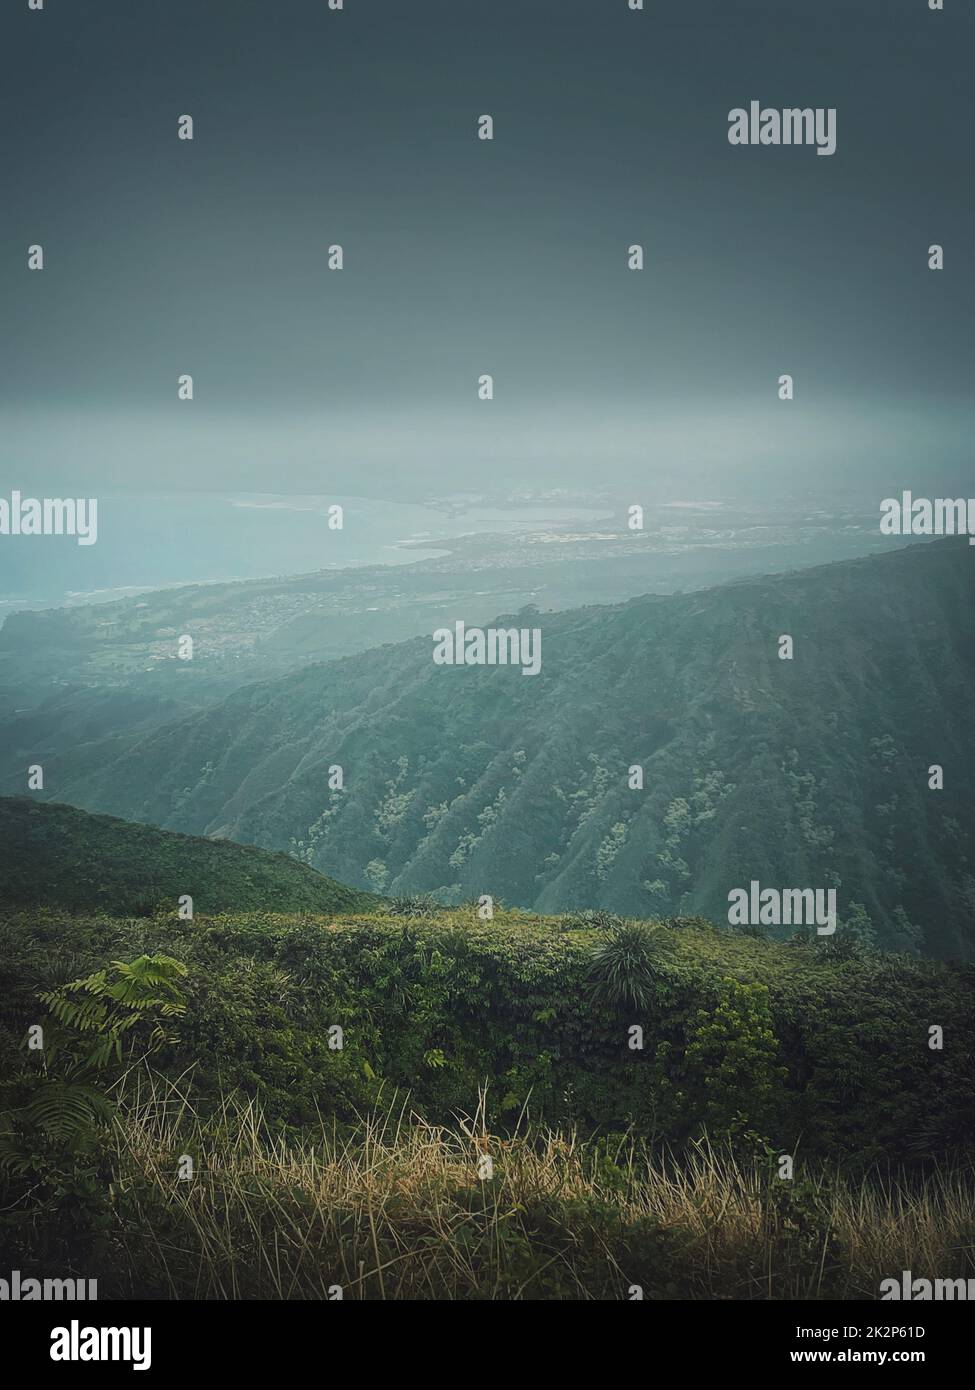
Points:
(467, 780)
(56, 856)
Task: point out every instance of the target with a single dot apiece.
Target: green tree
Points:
(732, 1061)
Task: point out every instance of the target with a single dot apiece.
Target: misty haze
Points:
(362, 359)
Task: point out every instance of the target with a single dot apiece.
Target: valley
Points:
(460, 781)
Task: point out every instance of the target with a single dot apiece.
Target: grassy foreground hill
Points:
(462, 780)
(807, 1043)
(57, 856)
(437, 1107)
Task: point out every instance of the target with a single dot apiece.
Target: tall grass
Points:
(401, 1209)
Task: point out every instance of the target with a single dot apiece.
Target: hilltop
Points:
(57, 856)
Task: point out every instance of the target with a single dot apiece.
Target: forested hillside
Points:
(809, 772)
(57, 856)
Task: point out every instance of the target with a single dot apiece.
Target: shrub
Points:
(624, 966)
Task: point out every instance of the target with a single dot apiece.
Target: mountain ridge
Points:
(464, 780)
(59, 856)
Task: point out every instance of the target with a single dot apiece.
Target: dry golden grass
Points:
(399, 1209)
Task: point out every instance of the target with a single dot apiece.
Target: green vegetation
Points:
(216, 1040)
(739, 1034)
(305, 1085)
(56, 856)
(463, 781)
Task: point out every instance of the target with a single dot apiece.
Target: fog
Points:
(463, 257)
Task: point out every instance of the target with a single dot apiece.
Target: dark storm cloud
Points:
(463, 257)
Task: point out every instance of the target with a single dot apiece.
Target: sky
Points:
(463, 256)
